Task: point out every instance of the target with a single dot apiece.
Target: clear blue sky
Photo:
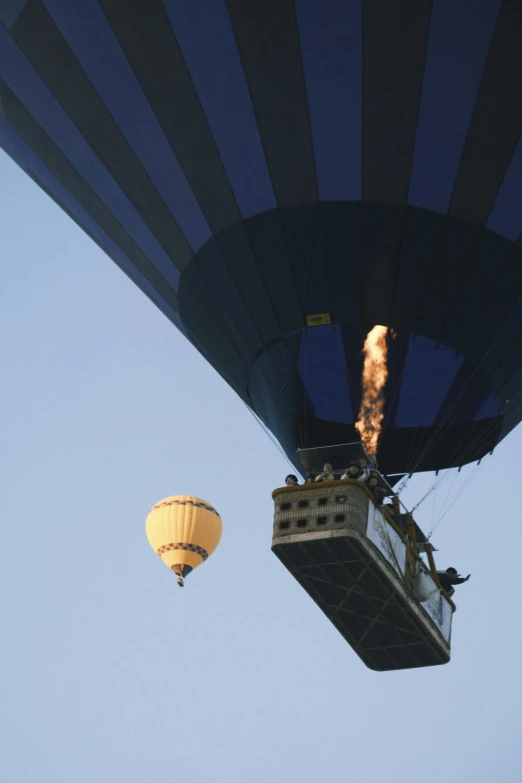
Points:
(108, 671)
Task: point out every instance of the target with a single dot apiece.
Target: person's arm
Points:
(452, 579)
(458, 580)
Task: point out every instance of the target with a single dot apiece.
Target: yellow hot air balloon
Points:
(183, 531)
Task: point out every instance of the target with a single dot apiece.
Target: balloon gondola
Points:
(359, 557)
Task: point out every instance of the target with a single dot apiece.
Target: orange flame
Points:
(375, 374)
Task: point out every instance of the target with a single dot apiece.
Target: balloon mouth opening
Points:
(181, 571)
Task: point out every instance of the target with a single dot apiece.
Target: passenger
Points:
(399, 520)
(372, 483)
(352, 472)
(291, 480)
(309, 478)
(364, 470)
(378, 492)
(327, 474)
(450, 577)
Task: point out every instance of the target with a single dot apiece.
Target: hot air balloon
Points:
(184, 531)
(281, 176)
(278, 177)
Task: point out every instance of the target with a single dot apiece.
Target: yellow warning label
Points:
(318, 319)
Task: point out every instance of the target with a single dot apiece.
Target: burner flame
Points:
(374, 376)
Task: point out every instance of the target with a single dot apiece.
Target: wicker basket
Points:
(323, 506)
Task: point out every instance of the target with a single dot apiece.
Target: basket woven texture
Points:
(319, 507)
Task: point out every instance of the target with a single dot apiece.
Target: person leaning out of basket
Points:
(449, 578)
(327, 474)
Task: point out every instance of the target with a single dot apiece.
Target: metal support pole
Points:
(431, 561)
(411, 531)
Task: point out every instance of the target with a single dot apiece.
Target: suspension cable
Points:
(448, 418)
(439, 480)
(274, 440)
(457, 496)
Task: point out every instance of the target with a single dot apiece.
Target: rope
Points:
(272, 438)
(404, 483)
(437, 483)
(446, 419)
(457, 496)
(455, 457)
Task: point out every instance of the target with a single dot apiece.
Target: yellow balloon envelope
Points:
(183, 531)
